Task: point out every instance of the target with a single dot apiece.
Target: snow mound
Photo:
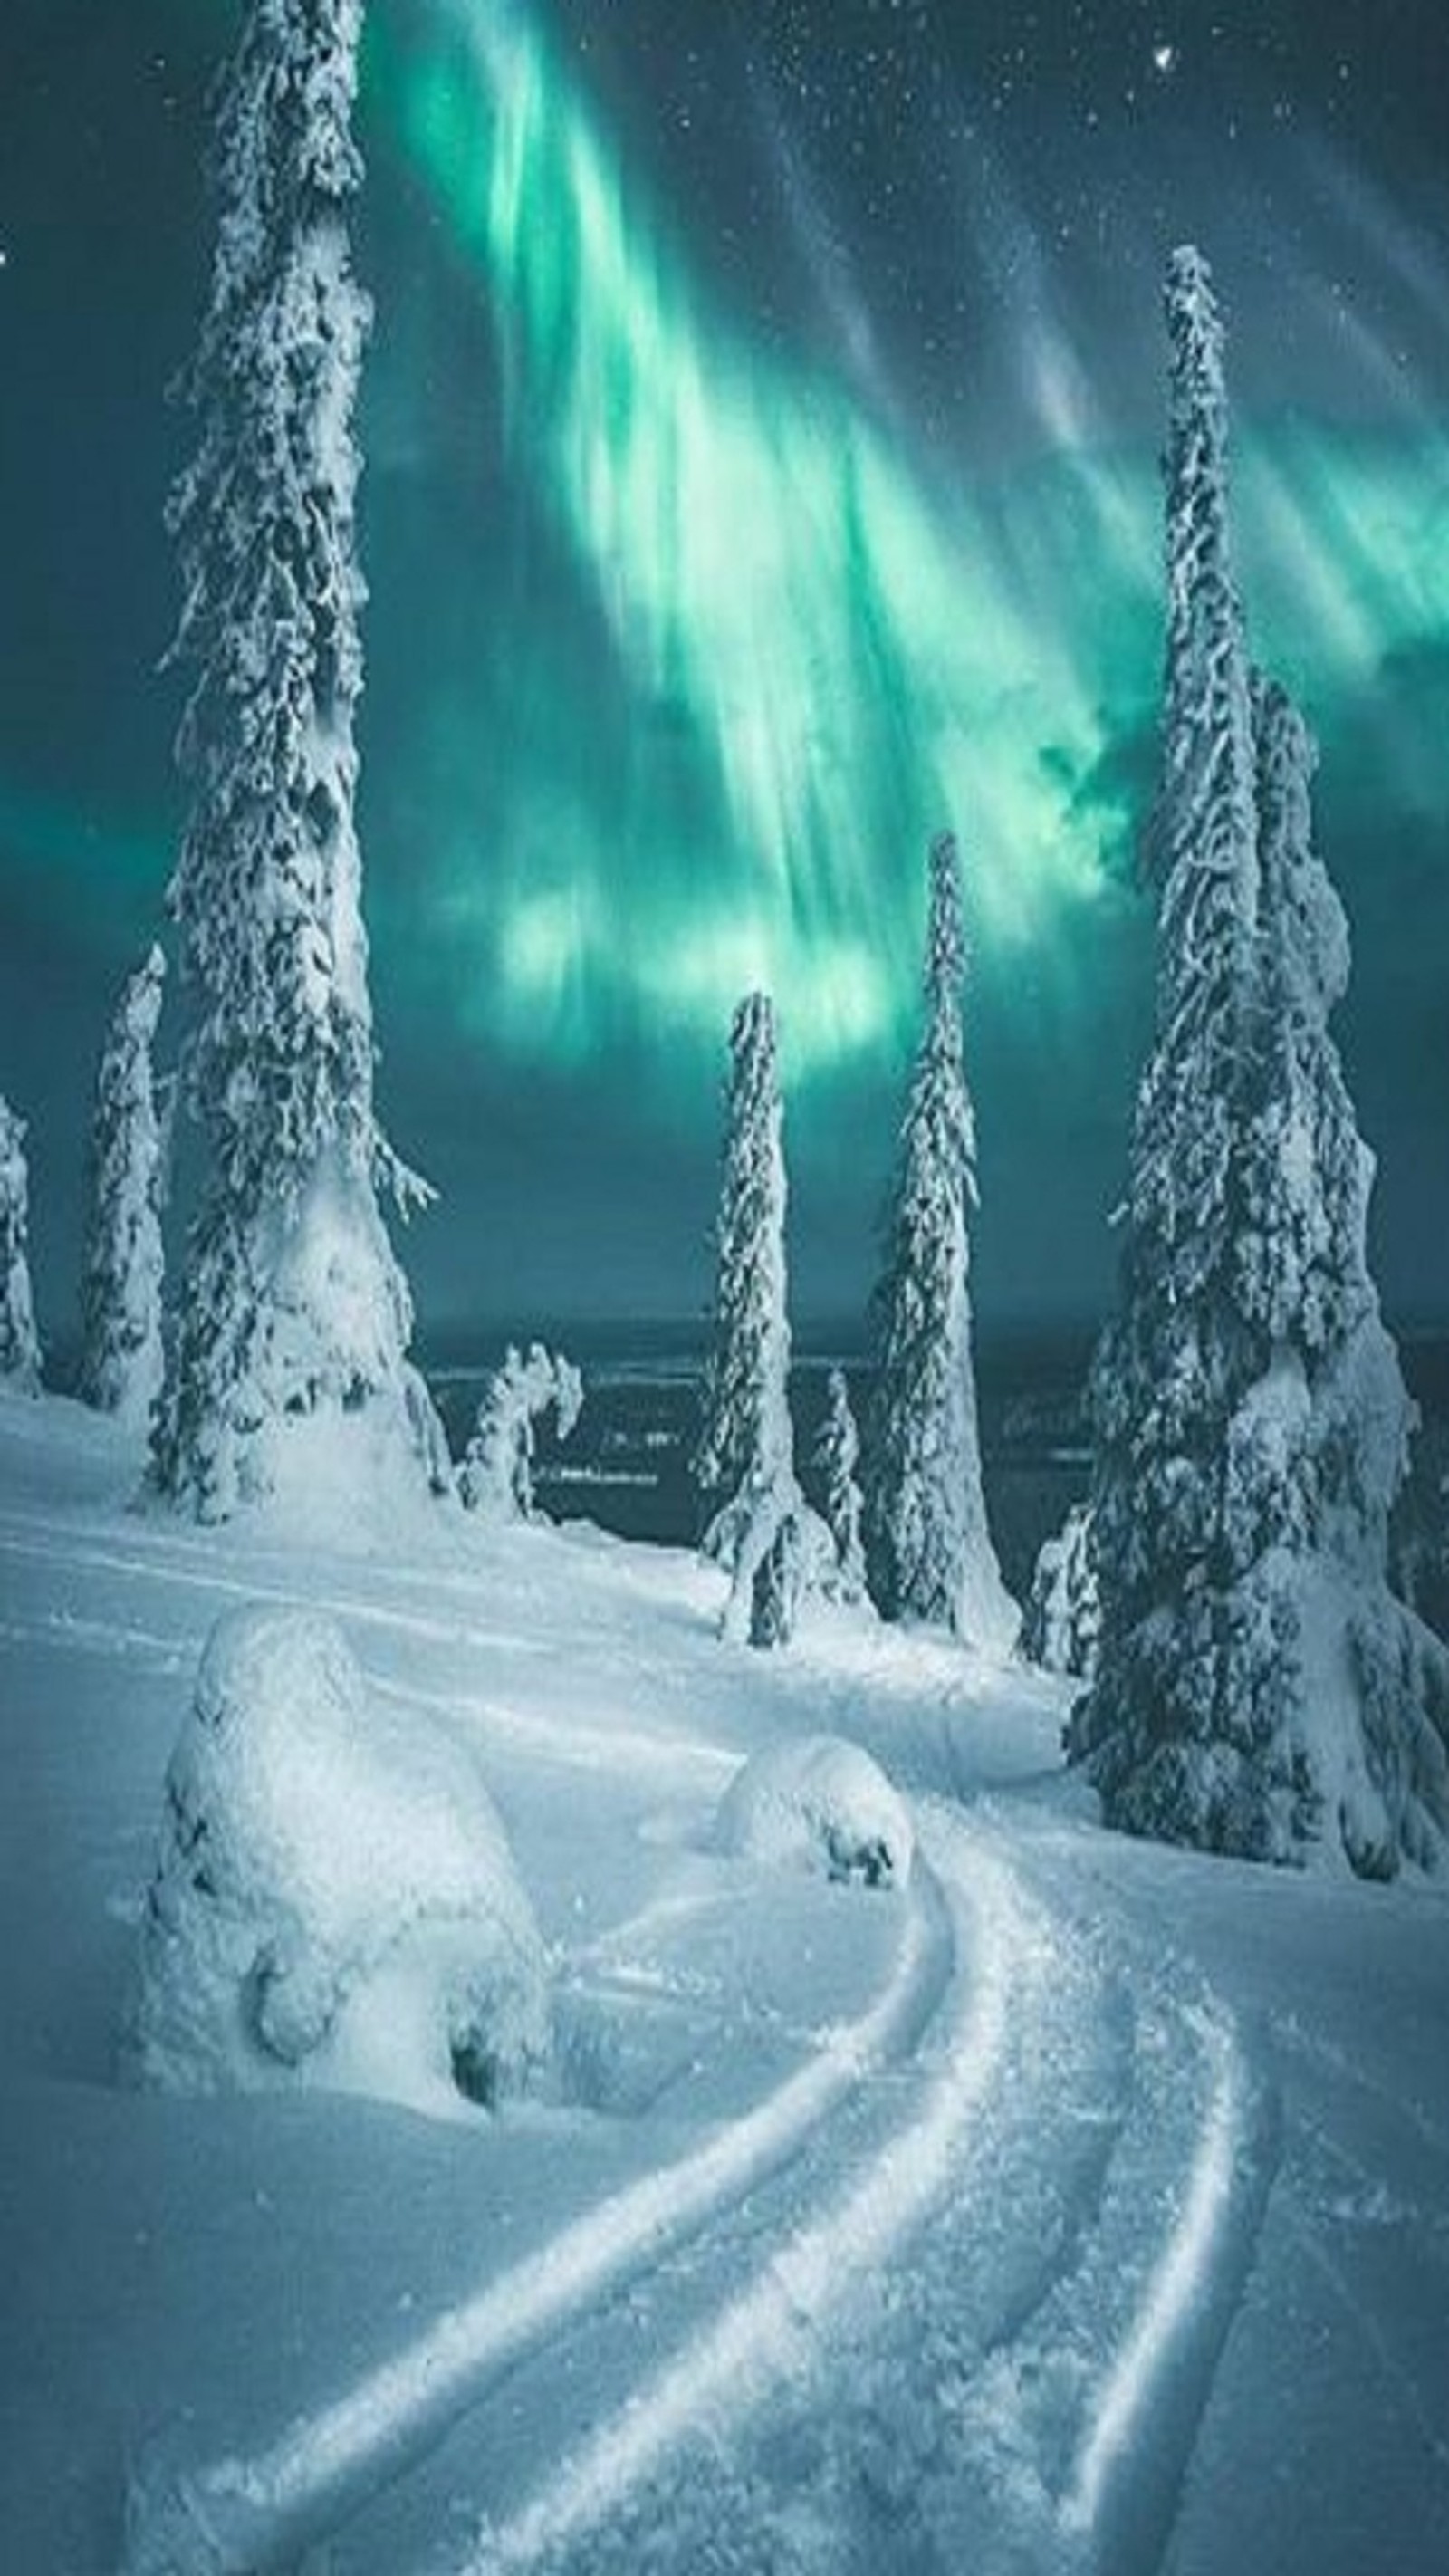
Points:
(821, 1801)
(334, 1900)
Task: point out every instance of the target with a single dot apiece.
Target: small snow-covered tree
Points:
(123, 1262)
(1063, 1614)
(496, 1476)
(19, 1341)
(928, 1550)
(1258, 1690)
(837, 1455)
(292, 1308)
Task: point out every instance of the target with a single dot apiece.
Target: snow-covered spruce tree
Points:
(744, 1459)
(1063, 1615)
(496, 1476)
(19, 1341)
(123, 1262)
(1258, 1690)
(836, 1457)
(292, 1307)
(928, 1551)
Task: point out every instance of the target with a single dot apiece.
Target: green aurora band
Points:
(775, 651)
(814, 654)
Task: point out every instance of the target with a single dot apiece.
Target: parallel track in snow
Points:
(987, 2339)
(957, 2280)
(964, 2276)
(236, 2517)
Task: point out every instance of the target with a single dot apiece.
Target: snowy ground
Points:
(1080, 2205)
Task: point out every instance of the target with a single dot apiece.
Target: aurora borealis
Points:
(762, 427)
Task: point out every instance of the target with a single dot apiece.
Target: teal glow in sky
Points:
(810, 648)
(819, 656)
(761, 432)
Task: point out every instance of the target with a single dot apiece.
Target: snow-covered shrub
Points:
(822, 1802)
(334, 1902)
(496, 1476)
(1063, 1615)
(19, 1342)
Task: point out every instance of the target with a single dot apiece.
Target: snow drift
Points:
(334, 1901)
(822, 1802)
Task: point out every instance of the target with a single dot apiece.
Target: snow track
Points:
(953, 2292)
(256, 2514)
(758, 2339)
(989, 2342)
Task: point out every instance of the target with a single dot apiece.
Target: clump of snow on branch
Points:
(124, 1262)
(334, 1902)
(496, 1475)
(821, 1803)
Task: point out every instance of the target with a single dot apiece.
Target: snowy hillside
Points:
(1056, 2202)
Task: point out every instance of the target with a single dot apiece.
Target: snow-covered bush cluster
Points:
(821, 1803)
(496, 1476)
(334, 1902)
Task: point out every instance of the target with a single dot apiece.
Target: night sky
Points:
(761, 433)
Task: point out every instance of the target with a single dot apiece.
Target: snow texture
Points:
(822, 1802)
(496, 1475)
(1258, 1689)
(334, 1902)
(19, 1341)
(123, 1265)
(292, 1305)
(929, 1555)
(1079, 2207)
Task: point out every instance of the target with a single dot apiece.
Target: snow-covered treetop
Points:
(945, 965)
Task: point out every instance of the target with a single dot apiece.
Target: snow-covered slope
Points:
(1072, 2203)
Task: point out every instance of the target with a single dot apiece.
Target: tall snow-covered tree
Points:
(19, 1341)
(123, 1262)
(836, 1458)
(744, 1459)
(745, 1441)
(292, 1308)
(1258, 1690)
(927, 1546)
